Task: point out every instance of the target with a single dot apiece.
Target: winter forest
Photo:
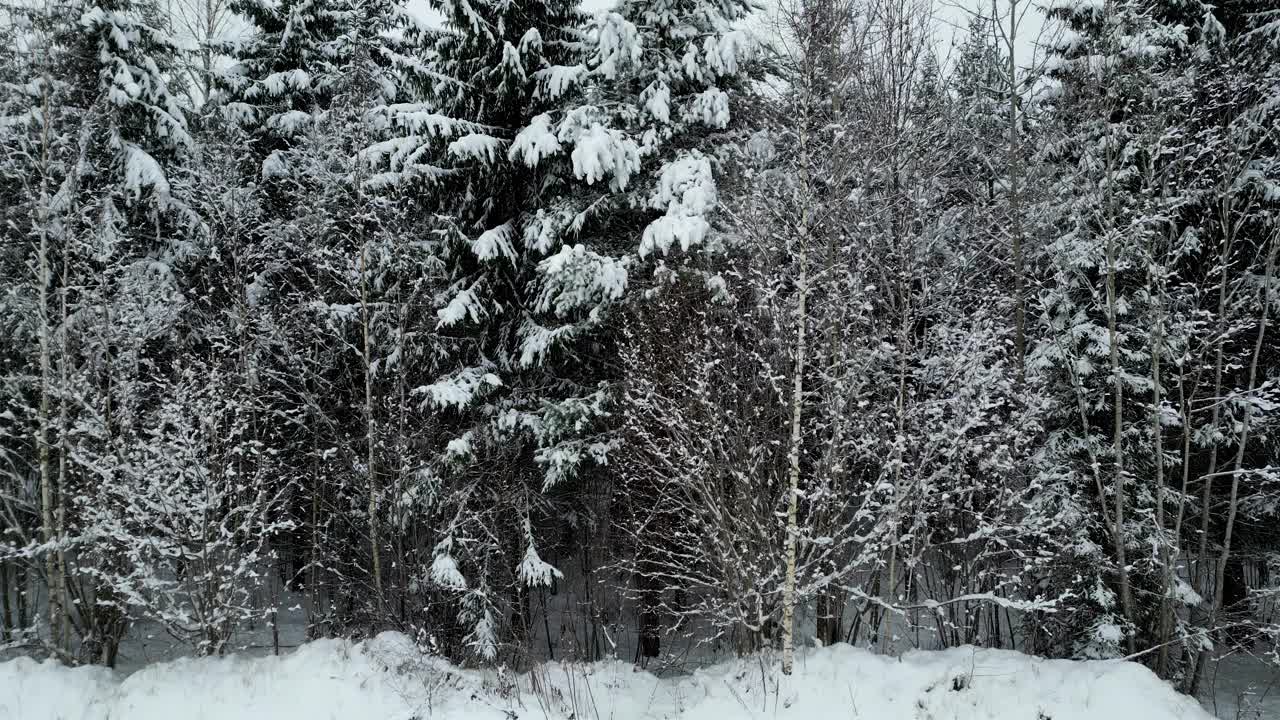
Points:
(670, 330)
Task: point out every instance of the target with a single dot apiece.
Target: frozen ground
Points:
(388, 679)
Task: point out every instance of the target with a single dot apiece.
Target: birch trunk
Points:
(48, 500)
(793, 484)
(797, 405)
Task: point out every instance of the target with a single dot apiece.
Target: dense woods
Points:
(683, 327)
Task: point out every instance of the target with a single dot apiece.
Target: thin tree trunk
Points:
(371, 435)
(1157, 432)
(206, 54)
(6, 612)
(20, 605)
(1126, 596)
(1218, 369)
(401, 562)
(797, 405)
(109, 622)
(1014, 160)
(793, 484)
(314, 569)
(797, 389)
(1201, 575)
(47, 499)
(1215, 608)
(899, 459)
(1185, 411)
(1156, 289)
(64, 431)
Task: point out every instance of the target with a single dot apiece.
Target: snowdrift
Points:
(388, 679)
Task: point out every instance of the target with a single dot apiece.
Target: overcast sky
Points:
(952, 19)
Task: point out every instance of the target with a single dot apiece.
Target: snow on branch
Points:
(687, 191)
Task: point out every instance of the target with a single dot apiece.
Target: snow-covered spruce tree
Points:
(996, 87)
(131, 243)
(1084, 317)
(663, 80)
(1154, 326)
(326, 279)
(559, 152)
(1229, 202)
(129, 325)
(283, 75)
(981, 127)
(1115, 323)
(472, 86)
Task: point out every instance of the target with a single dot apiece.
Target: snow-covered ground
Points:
(388, 679)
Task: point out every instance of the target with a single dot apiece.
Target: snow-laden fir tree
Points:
(558, 151)
(1228, 197)
(1154, 325)
(1106, 62)
(323, 285)
(284, 72)
(1127, 306)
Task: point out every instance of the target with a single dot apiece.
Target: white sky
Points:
(952, 18)
(951, 15)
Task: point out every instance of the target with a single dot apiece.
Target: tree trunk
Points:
(48, 500)
(313, 575)
(649, 620)
(6, 612)
(1156, 290)
(20, 606)
(64, 431)
(1201, 576)
(1233, 504)
(1126, 596)
(1014, 160)
(371, 436)
(793, 483)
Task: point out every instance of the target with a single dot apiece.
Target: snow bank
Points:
(387, 679)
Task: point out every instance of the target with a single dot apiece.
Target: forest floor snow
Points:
(387, 678)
